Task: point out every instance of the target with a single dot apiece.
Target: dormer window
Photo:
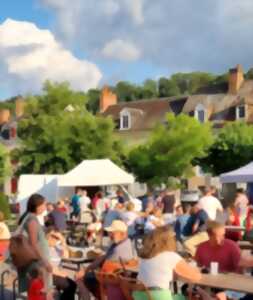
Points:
(240, 112)
(125, 120)
(200, 113)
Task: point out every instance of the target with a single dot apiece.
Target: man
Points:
(84, 201)
(57, 218)
(113, 214)
(75, 203)
(209, 203)
(120, 197)
(195, 229)
(182, 217)
(168, 203)
(221, 250)
(120, 251)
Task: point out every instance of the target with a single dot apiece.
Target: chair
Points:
(129, 285)
(109, 286)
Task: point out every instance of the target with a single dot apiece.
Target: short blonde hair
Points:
(212, 225)
(130, 206)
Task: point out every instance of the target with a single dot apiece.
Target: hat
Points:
(117, 225)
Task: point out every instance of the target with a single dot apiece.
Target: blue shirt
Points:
(75, 203)
(201, 218)
(180, 225)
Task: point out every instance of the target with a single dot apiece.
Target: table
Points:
(245, 245)
(235, 228)
(230, 281)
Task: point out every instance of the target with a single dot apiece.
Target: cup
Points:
(214, 268)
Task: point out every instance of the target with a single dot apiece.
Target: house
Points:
(9, 138)
(135, 120)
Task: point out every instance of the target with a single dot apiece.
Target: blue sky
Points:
(91, 43)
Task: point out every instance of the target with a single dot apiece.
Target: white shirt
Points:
(158, 271)
(129, 217)
(84, 203)
(210, 205)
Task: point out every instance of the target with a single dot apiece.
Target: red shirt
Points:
(35, 291)
(227, 255)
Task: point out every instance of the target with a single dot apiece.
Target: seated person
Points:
(221, 250)
(120, 251)
(195, 229)
(57, 218)
(154, 220)
(182, 217)
(233, 219)
(159, 262)
(59, 250)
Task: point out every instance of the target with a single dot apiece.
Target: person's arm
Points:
(186, 271)
(195, 226)
(246, 261)
(32, 229)
(93, 266)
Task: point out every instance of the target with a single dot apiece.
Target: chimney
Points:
(107, 98)
(19, 107)
(235, 79)
(4, 116)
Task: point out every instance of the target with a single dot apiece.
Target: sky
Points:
(92, 43)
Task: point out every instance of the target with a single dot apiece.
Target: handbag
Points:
(21, 251)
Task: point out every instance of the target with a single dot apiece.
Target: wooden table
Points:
(245, 245)
(230, 281)
(235, 228)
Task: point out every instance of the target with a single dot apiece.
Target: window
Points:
(125, 120)
(240, 112)
(200, 113)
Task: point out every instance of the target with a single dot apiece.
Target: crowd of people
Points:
(168, 230)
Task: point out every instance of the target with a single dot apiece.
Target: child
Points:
(36, 289)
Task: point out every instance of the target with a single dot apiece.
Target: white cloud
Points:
(29, 56)
(121, 50)
(175, 35)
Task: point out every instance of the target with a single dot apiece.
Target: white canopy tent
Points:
(100, 172)
(243, 174)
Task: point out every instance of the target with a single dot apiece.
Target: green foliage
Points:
(249, 74)
(167, 88)
(55, 140)
(233, 148)
(93, 97)
(170, 150)
(5, 168)
(5, 206)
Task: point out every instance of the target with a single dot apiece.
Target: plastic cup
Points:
(214, 270)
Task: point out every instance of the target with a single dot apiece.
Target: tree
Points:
(126, 91)
(5, 168)
(93, 96)
(149, 89)
(233, 148)
(170, 150)
(167, 88)
(54, 141)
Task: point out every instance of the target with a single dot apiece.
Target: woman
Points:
(159, 262)
(233, 219)
(29, 221)
(129, 217)
(58, 250)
